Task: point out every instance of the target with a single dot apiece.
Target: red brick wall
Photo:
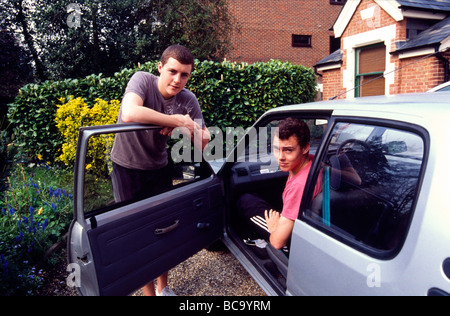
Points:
(332, 84)
(266, 29)
(418, 77)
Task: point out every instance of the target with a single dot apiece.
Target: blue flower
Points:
(31, 211)
(3, 211)
(44, 226)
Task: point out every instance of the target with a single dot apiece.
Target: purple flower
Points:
(44, 226)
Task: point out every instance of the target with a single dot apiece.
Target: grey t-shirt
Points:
(146, 150)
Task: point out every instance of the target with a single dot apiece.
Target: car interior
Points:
(369, 181)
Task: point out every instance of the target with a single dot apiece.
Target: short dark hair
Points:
(180, 53)
(294, 127)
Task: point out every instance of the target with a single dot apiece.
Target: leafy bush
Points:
(33, 111)
(230, 94)
(76, 113)
(236, 95)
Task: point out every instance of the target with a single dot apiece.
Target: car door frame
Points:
(83, 249)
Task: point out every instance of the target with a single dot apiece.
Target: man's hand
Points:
(167, 131)
(280, 228)
(272, 219)
(186, 122)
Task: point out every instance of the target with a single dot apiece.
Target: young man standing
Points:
(140, 159)
(291, 149)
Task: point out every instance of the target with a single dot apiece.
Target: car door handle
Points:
(446, 268)
(162, 231)
(198, 203)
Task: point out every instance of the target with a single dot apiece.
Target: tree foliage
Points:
(76, 38)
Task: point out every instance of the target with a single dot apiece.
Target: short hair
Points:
(295, 127)
(180, 53)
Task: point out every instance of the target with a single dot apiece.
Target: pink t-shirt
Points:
(293, 192)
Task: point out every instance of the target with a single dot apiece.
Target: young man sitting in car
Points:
(291, 149)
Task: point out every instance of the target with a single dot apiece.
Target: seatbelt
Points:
(326, 216)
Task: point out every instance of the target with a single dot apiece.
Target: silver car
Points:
(387, 235)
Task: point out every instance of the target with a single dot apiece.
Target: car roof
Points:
(422, 109)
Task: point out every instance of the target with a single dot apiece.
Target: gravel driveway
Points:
(208, 273)
(212, 273)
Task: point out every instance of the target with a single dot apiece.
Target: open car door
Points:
(116, 248)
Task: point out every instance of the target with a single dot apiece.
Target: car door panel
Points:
(122, 248)
(129, 251)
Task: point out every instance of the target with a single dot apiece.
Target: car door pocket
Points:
(162, 231)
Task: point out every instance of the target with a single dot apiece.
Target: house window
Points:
(335, 44)
(301, 40)
(370, 65)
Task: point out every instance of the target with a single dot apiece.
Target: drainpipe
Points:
(446, 64)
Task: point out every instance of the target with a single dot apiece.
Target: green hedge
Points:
(230, 94)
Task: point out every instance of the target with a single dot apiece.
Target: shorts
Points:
(135, 185)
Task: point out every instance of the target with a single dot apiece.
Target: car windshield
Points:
(393, 142)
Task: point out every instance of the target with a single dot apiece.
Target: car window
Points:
(258, 144)
(370, 177)
(447, 88)
(99, 174)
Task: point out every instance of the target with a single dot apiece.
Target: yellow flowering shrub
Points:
(74, 114)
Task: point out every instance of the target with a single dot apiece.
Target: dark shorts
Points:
(129, 184)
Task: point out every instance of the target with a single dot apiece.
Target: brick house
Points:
(288, 30)
(391, 47)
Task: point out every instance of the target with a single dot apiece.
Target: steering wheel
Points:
(353, 141)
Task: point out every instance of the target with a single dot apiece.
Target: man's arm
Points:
(280, 228)
(133, 111)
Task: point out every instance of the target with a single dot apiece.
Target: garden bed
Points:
(35, 214)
